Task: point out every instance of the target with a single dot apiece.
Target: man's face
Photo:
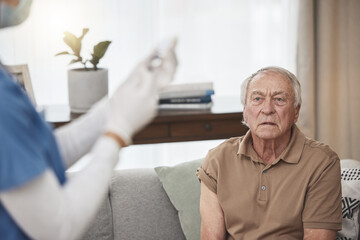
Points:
(269, 109)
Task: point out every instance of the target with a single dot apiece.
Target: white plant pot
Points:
(86, 87)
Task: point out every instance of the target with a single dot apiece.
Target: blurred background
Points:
(219, 41)
(222, 41)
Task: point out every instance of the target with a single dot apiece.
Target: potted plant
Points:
(86, 85)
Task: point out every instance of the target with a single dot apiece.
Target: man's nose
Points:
(268, 106)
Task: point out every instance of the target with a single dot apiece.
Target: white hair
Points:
(289, 75)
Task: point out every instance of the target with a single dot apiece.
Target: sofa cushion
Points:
(183, 189)
(350, 182)
(141, 208)
(101, 227)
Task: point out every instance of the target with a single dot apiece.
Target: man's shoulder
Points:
(231, 143)
(228, 147)
(319, 148)
(221, 155)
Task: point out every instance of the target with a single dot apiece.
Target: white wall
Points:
(222, 41)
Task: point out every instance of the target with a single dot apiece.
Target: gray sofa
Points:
(137, 208)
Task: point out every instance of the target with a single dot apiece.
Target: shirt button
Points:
(263, 188)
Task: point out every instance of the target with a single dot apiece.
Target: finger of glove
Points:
(164, 74)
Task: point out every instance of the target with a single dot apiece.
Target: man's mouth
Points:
(268, 123)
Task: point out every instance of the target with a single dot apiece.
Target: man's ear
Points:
(297, 112)
(245, 117)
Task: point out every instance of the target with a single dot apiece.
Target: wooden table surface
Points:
(222, 121)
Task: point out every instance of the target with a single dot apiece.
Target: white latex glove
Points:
(133, 104)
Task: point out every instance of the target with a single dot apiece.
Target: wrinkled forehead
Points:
(271, 81)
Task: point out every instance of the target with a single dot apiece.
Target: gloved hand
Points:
(165, 62)
(134, 103)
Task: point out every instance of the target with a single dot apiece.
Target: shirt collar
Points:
(293, 151)
(291, 154)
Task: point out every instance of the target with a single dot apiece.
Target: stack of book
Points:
(187, 96)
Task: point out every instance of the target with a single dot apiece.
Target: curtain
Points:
(328, 67)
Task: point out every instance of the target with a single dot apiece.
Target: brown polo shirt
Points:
(301, 189)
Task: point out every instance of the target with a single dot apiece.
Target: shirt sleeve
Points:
(207, 173)
(77, 138)
(322, 209)
(21, 154)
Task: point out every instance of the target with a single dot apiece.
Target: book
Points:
(186, 94)
(182, 100)
(185, 106)
(187, 90)
(187, 87)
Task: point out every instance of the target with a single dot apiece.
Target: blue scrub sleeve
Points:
(26, 141)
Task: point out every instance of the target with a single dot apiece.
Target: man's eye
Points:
(257, 100)
(280, 101)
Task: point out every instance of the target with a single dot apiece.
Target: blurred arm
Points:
(77, 138)
(46, 210)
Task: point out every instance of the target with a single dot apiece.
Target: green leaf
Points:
(74, 61)
(95, 60)
(70, 39)
(99, 52)
(73, 42)
(100, 49)
(85, 31)
(63, 53)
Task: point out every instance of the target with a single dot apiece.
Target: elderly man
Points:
(272, 183)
